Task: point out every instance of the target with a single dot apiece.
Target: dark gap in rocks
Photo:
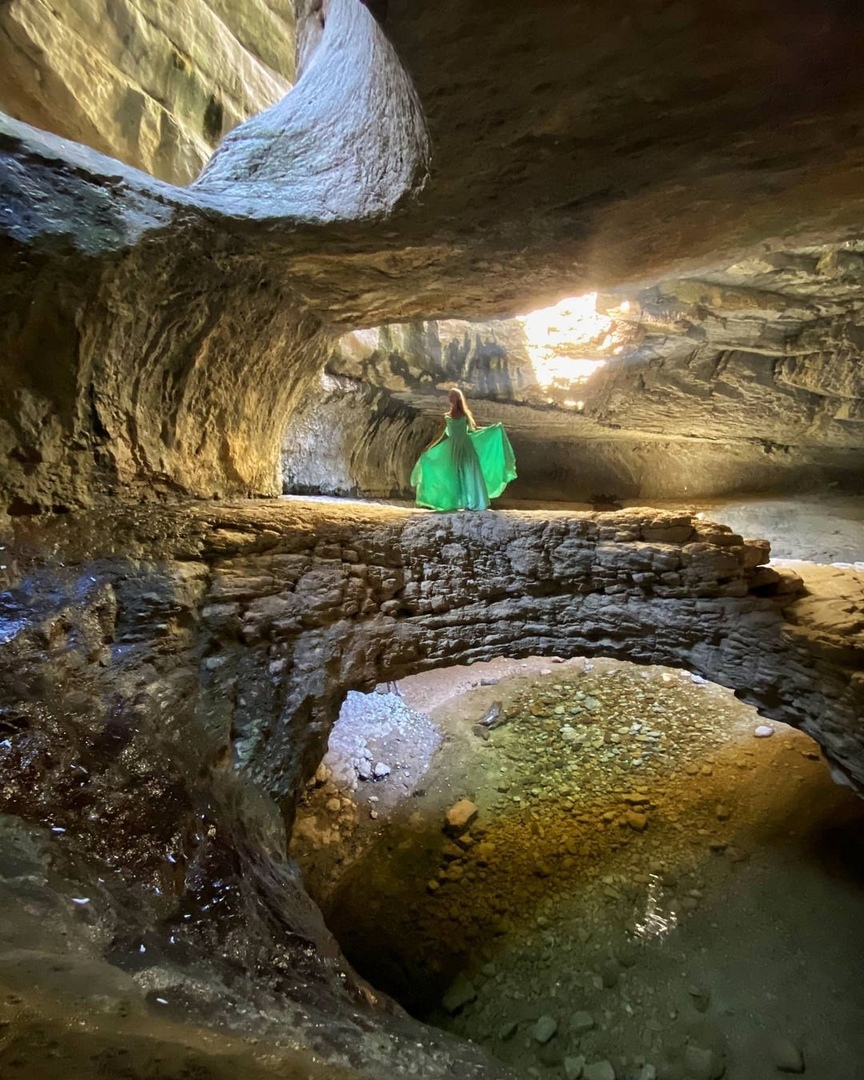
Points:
(214, 119)
(20, 507)
(26, 455)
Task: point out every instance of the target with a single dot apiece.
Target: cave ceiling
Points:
(580, 146)
(440, 161)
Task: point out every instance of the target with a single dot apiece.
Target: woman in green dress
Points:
(466, 466)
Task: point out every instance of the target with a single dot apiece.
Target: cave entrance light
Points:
(568, 342)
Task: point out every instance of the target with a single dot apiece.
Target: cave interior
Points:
(247, 246)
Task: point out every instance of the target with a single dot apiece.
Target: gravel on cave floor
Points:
(646, 882)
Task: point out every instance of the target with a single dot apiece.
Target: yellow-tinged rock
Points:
(154, 84)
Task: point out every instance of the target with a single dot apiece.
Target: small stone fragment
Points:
(700, 997)
(380, 770)
(637, 820)
(574, 1067)
(599, 1070)
(460, 993)
(544, 1029)
(461, 814)
(647, 1072)
(787, 1057)
(581, 1022)
(764, 731)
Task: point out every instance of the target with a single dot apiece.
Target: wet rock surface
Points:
(170, 676)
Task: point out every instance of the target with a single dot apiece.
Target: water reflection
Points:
(657, 918)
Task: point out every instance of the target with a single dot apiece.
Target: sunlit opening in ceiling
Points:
(566, 343)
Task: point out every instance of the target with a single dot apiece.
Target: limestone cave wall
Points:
(169, 673)
(745, 379)
(154, 85)
(183, 299)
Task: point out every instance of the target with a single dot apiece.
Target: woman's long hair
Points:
(459, 407)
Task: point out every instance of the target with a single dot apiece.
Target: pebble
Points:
(700, 997)
(764, 731)
(544, 1029)
(647, 1072)
(787, 1057)
(702, 1063)
(581, 1022)
(380, 770)
(637, 821)
(461, 814)
(574, 1067)
(507, 1030)
(599, 1070)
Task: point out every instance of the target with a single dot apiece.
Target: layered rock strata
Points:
(146, 652)
(744, 379)
(277, 611)
(285, 229)
(154, 85)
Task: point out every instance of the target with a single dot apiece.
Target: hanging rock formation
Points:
(650, 146)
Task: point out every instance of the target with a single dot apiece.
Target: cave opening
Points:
(588, 864)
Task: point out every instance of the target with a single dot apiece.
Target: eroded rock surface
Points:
(155, 85)
(647, 148)
(146, 651)
(747, 378)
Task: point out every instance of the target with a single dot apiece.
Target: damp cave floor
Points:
(646, 878)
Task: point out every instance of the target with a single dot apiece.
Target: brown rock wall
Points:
(130, 683)
(304, 602)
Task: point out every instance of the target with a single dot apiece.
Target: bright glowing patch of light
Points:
(658, 919)
(557, 335)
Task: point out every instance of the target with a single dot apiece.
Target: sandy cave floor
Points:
(649, 888)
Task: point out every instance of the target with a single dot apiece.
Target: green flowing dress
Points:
(466, 469)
